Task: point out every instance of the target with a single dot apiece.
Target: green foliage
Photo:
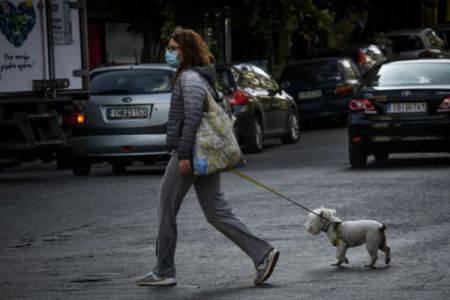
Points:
(261, 18)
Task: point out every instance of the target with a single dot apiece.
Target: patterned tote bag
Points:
(215, 146)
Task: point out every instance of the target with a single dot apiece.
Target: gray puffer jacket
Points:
(186, 109)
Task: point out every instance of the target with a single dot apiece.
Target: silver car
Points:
(125, 118)
(417, 43)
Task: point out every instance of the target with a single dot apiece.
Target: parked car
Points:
(364, 55)
(417, 43)
(404, 106)
(261, 107)
(125, 118)
(321, 87)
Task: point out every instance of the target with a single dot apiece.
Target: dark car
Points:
(417, 43)
(322, 87)
(404, 106)
(261, 107)
(365, 55)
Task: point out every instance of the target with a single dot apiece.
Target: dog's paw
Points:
(346, 260)
(388, 260)
(337, 264)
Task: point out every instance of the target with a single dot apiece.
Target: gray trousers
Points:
(218, 213)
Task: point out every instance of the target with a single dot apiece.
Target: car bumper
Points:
(323, 108)
(244, 124)
(110, 146)
(411, 136)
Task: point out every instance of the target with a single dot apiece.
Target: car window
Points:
(409, 74)
(310, 73)
(257, 78)
(349, 70)
(240, 79)
(406, 43)
(131, 82)
(225, 78)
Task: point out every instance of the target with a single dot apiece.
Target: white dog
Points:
(349, 234)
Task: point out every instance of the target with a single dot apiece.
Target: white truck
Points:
(43, 69)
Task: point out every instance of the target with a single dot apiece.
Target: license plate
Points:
(406, 107)
(127, 113)
(310, 94)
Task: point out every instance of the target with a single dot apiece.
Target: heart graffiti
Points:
(16, 23)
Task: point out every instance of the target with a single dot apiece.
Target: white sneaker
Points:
(154, 280)
(264, 270)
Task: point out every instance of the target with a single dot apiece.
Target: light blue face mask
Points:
(172, 58)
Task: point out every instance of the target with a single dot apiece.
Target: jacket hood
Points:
(208, 71)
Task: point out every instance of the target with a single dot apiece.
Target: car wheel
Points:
(294, 129)
(255, 143)
(381, 155)
(358, 158)
(81, 166)
(119, 168)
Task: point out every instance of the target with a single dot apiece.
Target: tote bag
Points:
(215, 146)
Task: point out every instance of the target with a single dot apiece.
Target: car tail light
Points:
(362, 57)
(425, 54)
(356, 139)
(76, 116)
(126, 148)
(444, 106)
(343, 89)
(239, 98)
(362, 105)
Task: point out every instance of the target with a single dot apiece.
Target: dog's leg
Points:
(341, 250)
(373, 252)
(383, 247)
(387, 252)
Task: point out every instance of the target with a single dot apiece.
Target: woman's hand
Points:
(184, 166)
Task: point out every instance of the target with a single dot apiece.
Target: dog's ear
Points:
(321, 213)
(333, 212)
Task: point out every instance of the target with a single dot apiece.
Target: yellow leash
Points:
(257, 183)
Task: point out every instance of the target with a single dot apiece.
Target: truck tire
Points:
(255, 143)
(294, 129)
(81, 166)
(357, 156)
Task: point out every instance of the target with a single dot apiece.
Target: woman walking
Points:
(195, 75)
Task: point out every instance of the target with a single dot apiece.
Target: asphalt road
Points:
(67, 237)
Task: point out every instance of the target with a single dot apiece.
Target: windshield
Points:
(310, 73)
(409, 74)
(131, 82)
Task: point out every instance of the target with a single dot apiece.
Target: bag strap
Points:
(209, 89)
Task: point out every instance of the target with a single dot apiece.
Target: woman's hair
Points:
(195, 51)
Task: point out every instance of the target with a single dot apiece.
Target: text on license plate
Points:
(127, 113)
(406, 107)
(310, 94)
